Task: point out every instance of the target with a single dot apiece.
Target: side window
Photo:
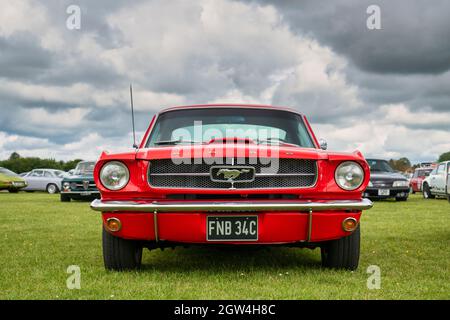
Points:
(441, 169)
(48, 174)
(37, 173)
(416, 174)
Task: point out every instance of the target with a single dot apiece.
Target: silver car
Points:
(44, 180)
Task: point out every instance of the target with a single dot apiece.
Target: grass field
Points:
(41, 237)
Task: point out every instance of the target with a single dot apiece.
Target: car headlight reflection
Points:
(349, 175)
(114, 175)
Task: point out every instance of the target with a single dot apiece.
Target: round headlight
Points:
(349, 175)
(114, 175)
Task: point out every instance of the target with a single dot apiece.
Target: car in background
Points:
(419, 175)
(385, 182)
(48, 180)
(80, 185)
(11, 181)
(438, 182)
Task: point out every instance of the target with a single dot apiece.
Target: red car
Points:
(240, 175)
(416, 181)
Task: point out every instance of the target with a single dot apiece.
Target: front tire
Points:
(65, 198)
(401, 199)
(13, 190)
(426, 192)
(342, 253)
(120, 254)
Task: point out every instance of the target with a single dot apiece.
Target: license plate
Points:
(383, 192)
(232, 228)
(85, 193)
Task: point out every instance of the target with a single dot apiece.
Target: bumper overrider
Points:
(279, 222)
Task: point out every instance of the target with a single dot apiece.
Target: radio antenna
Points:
(132, 117)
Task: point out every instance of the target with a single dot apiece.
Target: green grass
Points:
(41, 237)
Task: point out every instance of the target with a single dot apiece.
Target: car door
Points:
(46, 179)
(33, 179)
(440, 178)
(447, 187)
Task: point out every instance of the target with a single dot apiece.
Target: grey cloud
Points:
(414, 36)
(22, 57)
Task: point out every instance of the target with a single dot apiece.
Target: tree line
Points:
(20, 164)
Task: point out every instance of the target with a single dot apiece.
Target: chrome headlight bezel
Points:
(358, 171)
(400, 183)
(123, 179)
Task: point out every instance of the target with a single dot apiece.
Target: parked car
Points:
(416, 181)
(385, 182)
(11, 181)
(231, 185)
(44, 180)
(438, 182)
(81, 184)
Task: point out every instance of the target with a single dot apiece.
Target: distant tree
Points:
(444, 157)
(402, 164)
(18, 164)
(14, 156)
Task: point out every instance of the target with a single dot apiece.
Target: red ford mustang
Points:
(231, 175)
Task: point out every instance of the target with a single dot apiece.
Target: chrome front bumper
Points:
(227, 206)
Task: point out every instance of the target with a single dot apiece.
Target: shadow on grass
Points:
(230, 259)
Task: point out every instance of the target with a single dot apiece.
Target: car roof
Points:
(230, 105)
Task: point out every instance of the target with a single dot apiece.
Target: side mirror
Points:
(323, 144)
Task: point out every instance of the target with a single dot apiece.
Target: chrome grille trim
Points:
(307, 175)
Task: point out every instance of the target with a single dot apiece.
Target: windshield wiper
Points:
(173, 142)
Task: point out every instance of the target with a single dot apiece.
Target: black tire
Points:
(52, 188)
(401, 199)
(342, 253)
(13, 190)
(120, 254)
(426, 192)
(64, 198)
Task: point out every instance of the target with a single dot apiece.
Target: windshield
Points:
(379, 166)
(59, 174)
(8, 172)
(202, 126)
(84, 168)
(424, 172)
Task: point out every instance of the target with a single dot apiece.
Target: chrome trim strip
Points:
(204, 174)
(197, 206)
(79, 192)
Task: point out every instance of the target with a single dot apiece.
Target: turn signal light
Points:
(349, 224)
(113, 224)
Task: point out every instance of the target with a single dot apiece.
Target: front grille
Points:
(289, 173)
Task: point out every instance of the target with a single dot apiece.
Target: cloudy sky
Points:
(64, 93)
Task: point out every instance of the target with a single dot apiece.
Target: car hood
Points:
(6, 178)
(374, 176)
(79, 178)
